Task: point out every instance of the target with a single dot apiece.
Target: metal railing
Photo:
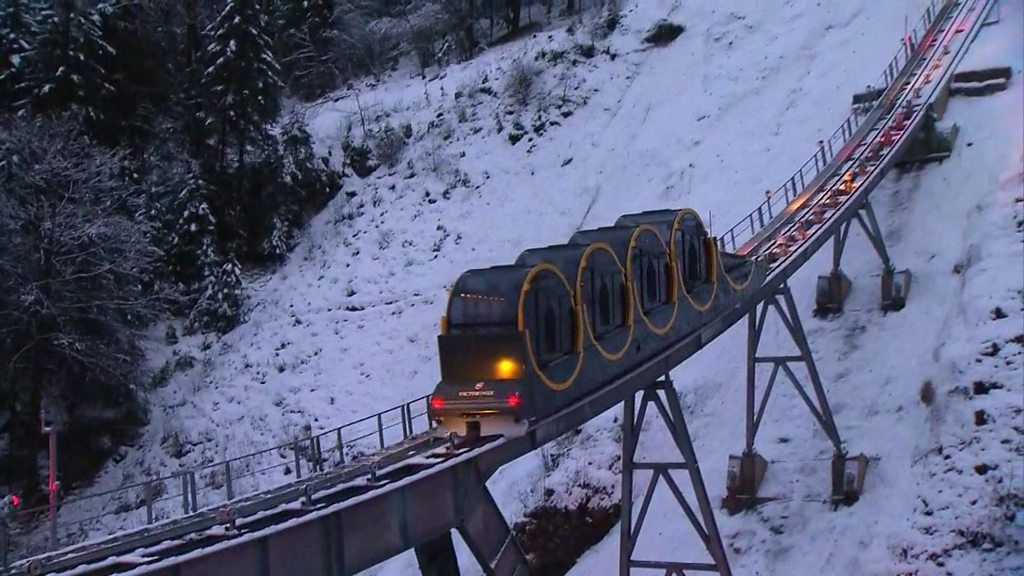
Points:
(207, 486)
(775, 202)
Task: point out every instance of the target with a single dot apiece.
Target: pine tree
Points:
(140, 67)
(193, 243)
(281, 238)
(240, 94)
(310, 182)
(209, 282)
(305, 39)
(66, 62)
(220, 305)
(240, 82)
(17, 33)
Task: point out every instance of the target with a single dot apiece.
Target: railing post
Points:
(184, 493)
(341, 449)
(760, 215)
(227, 481)
(4, 538)
(426, 406)
(405, 422)
(148, 493)
(192, 490)
(298, 462)
(318, 454)
(380, 429)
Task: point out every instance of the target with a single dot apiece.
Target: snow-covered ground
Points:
(347, 326)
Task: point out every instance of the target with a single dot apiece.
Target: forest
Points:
(152, 154)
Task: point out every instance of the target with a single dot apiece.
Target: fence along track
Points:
(755, 234)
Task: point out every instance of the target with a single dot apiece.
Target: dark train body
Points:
(519, 342)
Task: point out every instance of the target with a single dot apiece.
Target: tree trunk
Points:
(467, 32)
(191, 34)
(514, 8)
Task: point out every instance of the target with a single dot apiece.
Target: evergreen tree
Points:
(240, 91)
(310, 182)
(140, 65)
(17, 33)
(192, 243)
(220, 305)
(281, 238)
(240, 82)
(305, 40)
(66, 62)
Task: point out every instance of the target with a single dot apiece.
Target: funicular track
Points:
(411, 495)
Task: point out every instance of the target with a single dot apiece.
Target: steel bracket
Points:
(848, 478)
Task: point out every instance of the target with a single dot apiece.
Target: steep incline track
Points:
(354, 516)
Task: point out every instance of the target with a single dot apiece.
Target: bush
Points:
(387, 145)
(521, 81)
(663, 32)
(554, 537)
(607, 22)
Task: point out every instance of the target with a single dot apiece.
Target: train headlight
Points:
(507, 369)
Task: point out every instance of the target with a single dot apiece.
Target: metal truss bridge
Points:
(371, 489)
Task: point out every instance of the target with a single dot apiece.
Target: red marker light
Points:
(436, 402)
(15, 500)
(514, 400)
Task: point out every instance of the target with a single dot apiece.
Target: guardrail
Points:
(163, 498)
(776, 201)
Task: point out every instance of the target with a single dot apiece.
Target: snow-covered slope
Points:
(346, 327)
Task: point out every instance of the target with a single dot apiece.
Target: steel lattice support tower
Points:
(662, 395)
(746, 471)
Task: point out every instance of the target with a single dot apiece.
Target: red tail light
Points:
(436, 402)
(514, 400)
(15, 500)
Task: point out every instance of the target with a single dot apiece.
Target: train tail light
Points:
(15, 501)
(514, 400)
(436, 402)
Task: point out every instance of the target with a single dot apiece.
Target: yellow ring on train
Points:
(735, 286)
(544, 266)
(659, 330)
(679, 269)
(612, 356)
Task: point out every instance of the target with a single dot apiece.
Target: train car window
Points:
(650, 284)
(473, 311)
(702, 258)
(654, 281)
(692, 262)
(550, 331)
(554, 326)
(668, 280)
(605, 304)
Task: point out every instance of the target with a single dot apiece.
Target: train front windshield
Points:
(482, 342)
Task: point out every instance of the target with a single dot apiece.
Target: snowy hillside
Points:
(347, 326)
